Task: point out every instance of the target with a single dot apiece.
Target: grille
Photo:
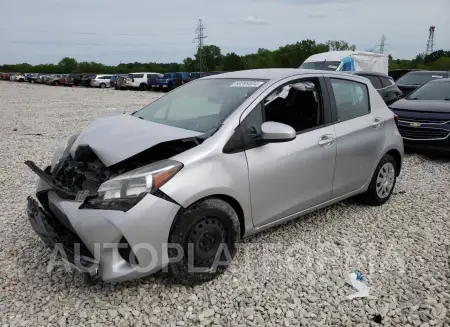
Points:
(422, 133)
(425, 120)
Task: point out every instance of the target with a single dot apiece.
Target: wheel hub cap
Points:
(385, 180)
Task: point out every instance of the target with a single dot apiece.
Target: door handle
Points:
(377, 123)
(326, 140)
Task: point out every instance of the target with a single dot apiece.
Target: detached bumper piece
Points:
(54, 233)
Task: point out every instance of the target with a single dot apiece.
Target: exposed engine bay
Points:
(85, 172)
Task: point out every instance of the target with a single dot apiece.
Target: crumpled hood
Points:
(117, 138)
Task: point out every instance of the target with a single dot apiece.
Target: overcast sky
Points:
(114, 31)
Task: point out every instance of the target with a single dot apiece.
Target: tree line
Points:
(288, 56)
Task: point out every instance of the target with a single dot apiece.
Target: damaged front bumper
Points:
(109, 244)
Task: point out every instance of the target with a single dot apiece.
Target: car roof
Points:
(428, 71)
(440, 80)
(272, 73)
(371, 73)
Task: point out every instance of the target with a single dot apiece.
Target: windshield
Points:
(418, 78)
(432, 91)
(321, 65)
(201, 105)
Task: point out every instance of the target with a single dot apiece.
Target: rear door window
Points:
(138, 75)
(351, 97)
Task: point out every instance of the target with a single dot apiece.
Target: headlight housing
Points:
(62, 149)
(125, 191)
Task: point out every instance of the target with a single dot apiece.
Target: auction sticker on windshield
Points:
(247, 84)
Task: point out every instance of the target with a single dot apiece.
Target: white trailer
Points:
(348, 61)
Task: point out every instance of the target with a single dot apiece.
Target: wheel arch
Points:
(398, 159)
(228, 199)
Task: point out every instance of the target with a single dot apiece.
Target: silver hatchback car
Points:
(178, 183)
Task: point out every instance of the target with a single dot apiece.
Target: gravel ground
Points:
(292, 275)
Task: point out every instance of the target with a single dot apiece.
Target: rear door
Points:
(359, 134)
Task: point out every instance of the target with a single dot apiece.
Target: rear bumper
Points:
(104, 238)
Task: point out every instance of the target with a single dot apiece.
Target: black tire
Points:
(205, 225)
(56, 83)
(371, 197)
(143, 87)
(102, 85)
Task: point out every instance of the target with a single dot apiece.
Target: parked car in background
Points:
(121, 82)
(164, 82)
(112, 81)
(13, 76)
(152, 81)
(31, 78)
(101, 81)
(5, 76)
(412, 80)
(41, 78)
(384, 84)
(56, 79)
(74, 79)
(216, 160)
(397, 73)
(139, 80)
(424, 117)
(86, 79)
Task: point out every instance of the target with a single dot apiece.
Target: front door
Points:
(289, 177)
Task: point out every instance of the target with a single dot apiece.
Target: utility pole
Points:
(430, 42)
(202, 65)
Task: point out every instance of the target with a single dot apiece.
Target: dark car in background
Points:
(384, 84)
(397, 73)
(424, 117)
(412, 80)
(86, 79)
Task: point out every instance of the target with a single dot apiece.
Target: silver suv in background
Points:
(178, 183)
(101, 81)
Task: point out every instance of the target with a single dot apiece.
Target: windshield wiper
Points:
(209, 133)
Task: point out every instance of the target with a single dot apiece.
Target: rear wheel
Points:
(102, 85)
(207, 233)
(143, 87)
(382, 183)
(56, 83)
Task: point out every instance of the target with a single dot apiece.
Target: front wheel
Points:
(102, 85)
(143, 87)
(382, 183)
(202, 241)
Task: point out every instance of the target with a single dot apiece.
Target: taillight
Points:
(396, 119)
(182, 82)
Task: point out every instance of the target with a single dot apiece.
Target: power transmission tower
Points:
(382, 44)
(430, 42)
(202, 64)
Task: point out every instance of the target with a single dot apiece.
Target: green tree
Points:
(212, 57)
(232, 62)
(68, 65)
(340, 45)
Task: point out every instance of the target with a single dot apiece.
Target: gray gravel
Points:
(292, 275)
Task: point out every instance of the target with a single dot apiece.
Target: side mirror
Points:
(277, 132)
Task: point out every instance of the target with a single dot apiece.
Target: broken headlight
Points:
(125, 191)
(62, 149)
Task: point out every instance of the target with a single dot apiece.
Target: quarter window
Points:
(352, 99)
(386, 81)
(375, 81)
